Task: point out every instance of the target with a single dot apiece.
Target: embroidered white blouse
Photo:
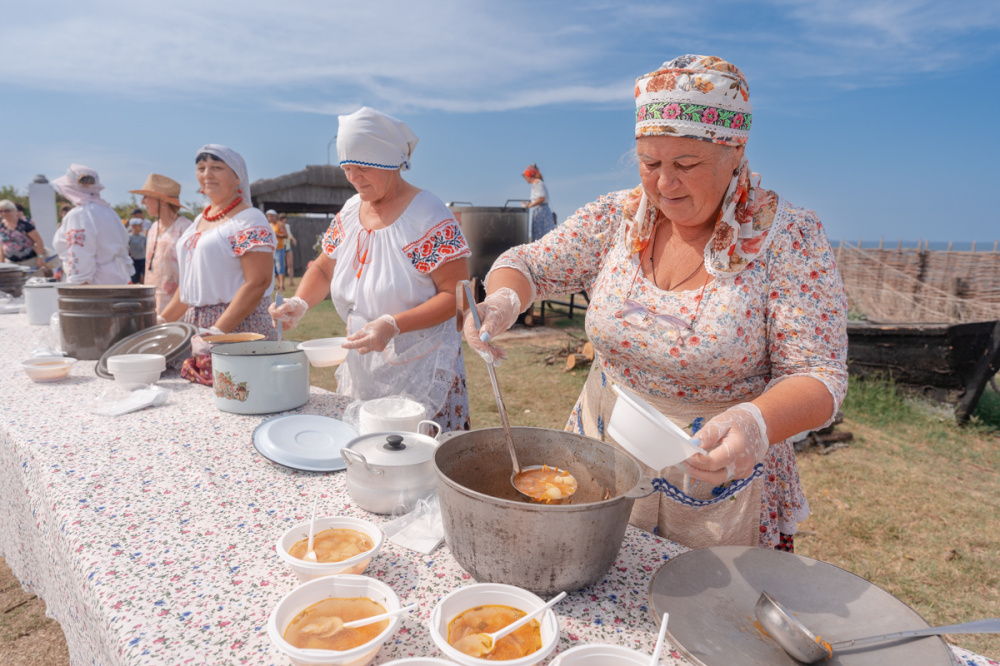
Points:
(93, 245)
(209, 261)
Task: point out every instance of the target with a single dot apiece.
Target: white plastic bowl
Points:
(325, 352)
(470, 596)
(646, 433)
(420, 661)
(307, 571)
(137, 368)
(48, 368)
(600, 654)
(307, 594)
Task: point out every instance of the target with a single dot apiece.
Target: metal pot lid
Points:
(172, 340)
(394, 449)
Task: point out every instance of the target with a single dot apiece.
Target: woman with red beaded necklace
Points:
(225, 257)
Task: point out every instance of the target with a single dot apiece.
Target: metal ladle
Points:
(800, 643)
(500, 406)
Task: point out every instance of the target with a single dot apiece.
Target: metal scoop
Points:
(800, 643)
(518, 470)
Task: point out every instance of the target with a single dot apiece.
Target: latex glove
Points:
(735, 441)
(497, 312)
(198, 344)
(374, 335)
(160, 319)
(289, 314)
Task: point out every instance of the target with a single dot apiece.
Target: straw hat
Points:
(162, 188)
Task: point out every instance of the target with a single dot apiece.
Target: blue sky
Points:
(878, 114)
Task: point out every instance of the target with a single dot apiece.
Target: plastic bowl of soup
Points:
(328, 540)
(313, 602)
(464, 599)
(48, 368)
(420, 661)
(599, 654)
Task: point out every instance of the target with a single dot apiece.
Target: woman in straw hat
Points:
(92, 242)
(391, 260)
(161, 198)
(225, 257)
(713, 299)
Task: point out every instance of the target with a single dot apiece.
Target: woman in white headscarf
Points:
(391, 260)
(91, 241)
(225, 257)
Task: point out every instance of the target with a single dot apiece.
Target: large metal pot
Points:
(259, 377)
(490, 231)
(500, 538)
(93, 317)
(389, 469)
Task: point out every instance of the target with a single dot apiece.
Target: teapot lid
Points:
(394, 449)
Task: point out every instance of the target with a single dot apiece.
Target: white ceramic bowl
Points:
(470, 596)
(325, 352)
(420, 661)
(307, 571)
(137, 368)
(600, 654)
(48, 368)
(307, 594)
(646, 433)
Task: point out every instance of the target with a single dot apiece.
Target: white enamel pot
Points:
(386, 470)
(259, 377)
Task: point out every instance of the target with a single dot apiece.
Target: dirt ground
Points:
(27, 637)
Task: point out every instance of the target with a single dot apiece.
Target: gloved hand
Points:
(160, 319)
(374, 335)
(497, 312)
(198, 344)
(735, 441)
(289, 314)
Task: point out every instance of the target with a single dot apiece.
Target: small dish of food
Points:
(486, 608)
(222, 338)
(325, 352)
(420, 661)
(48, 368)
(343, 545)
(306, 625)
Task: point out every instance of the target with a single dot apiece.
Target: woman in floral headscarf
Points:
(711, 298)
(391, 261)
(540, 218)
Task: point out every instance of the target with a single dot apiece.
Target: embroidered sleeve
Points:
(806, 306)
(79, 257)
(253, 237)
(568, 258)
(443, 243)
(333, 237)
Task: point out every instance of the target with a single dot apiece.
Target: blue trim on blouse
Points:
(370, 164)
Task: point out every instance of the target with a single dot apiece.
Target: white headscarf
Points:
(69, 186)
(370, 138)
(233, 160)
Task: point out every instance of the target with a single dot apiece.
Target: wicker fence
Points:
(920, 285)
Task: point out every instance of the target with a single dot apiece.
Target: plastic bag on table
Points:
(422, 529)
(117, 399)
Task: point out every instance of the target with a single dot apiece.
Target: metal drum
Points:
(490, 230)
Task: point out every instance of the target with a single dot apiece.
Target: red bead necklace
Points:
(210, 218)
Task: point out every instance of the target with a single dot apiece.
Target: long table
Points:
(150, 536)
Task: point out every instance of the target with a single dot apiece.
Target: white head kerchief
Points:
(69, 186)
(373, 139)
(233, 160)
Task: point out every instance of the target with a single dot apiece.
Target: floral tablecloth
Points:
(151, 535)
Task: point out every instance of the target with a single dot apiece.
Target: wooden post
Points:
(880, 241)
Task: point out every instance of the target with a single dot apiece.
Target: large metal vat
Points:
(490, 230)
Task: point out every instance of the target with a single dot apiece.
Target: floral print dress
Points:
(782, 314)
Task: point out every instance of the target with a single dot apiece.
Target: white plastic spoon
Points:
(481, 645)
(659, 640)
(335, 624)
(310, 555)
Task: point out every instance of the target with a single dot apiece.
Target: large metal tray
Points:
(710, 594)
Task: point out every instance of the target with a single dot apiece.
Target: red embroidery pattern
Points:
(334, 236)
(191, 243)
(440, 245)
(75, 237)
(252, 237)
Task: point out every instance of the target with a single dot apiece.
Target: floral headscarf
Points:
(705, 98)
(532, 171)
